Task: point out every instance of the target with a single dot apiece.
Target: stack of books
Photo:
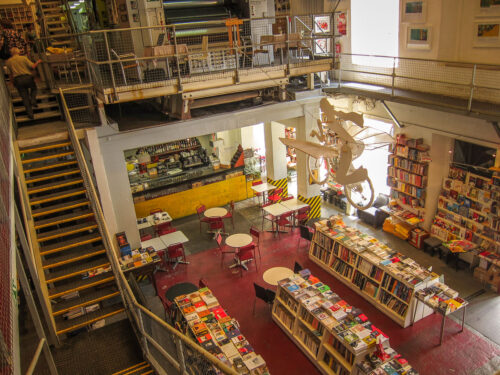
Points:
(218, 333)
(441, 298)
(139, 257)
(393, 363)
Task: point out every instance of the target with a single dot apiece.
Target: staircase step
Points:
(55, 15)
(61, 246)
(77, 215)
(56, 29)
(43, 157)
(59, 207)
(62, 43)
(63, 326)
(121, 372)
(142, 368)
(51, 175)
(45, 146)
(58, 195)
(57, 22)
(88, 299)
(77, 269)
(54, 185)
(59, 3)
(39, 116)
(46, 166)
(67, 231)
(80, 284)
(18, 99)
(40, 106)
(72, 255)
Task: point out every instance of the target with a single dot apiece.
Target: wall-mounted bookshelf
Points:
(384, 277)
(407, 172)
(468, 208)
(335, 336)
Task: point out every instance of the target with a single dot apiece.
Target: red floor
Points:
(460, 354)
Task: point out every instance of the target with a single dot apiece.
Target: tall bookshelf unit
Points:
(335, 336)
(468, 208)
(407, 172)
(388, 280)
(19, 16)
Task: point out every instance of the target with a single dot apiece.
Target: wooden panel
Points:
(185, 203)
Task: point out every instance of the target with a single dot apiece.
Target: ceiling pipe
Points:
(394, 119)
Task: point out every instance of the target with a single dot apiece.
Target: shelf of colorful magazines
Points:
(384, 277)
(334, 335)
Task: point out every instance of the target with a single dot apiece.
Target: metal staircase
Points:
(57, 26)
(79, 285)
(47, 108)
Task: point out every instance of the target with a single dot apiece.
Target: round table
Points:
(215, 212)
(238, 240)
(275, 274)
(179, 289)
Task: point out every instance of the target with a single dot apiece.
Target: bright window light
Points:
(374, 31)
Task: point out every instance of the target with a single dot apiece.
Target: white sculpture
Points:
(338, 148)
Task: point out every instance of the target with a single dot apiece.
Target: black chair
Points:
(297, 267)
(305, 233)
(264, 294)
(373, 215)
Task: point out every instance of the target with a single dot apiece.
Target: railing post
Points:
(180, 355)
(106, 44)
(141, 329)
(340, 70)
(472, 85)
(393, 75)
(179, 81)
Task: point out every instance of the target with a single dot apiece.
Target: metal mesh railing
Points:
(175, 56)
(82, 106)
(8, 289)
(168, 350)
(467, 81)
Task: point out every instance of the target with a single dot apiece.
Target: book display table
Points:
(442, 300)
(142, 262)
(384, 277)
(218, 333)
(332, 334)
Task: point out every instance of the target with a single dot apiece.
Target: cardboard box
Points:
(480, 274)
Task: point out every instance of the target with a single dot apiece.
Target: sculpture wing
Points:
(314, 149)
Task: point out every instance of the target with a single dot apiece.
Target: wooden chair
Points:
(200, 211)
(264, 294)
(246, 253)
(128, 65)
(176, 251)
(256, 234)
(302, 215)
(222, 248)
(230, 213)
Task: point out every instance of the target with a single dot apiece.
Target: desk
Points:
(175, 237)
(263, 188)
(294, 204)
(215, 212)
(276, 210)
(236, 241)
(180, 289)
(457, 247)
(156, 243)
(442, 313)
(275, 274)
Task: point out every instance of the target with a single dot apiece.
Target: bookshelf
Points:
(18, 15)
(335, 336)
(218, 333)
(468, 209)
(407, 172)
(385, 278)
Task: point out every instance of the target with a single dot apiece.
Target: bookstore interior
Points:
(347, 244)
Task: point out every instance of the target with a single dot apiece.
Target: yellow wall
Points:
(185, 203)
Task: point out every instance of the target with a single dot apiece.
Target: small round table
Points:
(179, 289)
(275, 274)
(215, 212)
(238, 240)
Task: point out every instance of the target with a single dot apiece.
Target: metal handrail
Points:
(129, 299)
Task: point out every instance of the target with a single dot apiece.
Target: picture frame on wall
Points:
(487, 34)
(487, 8)
(414, 11)
(419, 37)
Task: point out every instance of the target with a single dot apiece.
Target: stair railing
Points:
(137, 313)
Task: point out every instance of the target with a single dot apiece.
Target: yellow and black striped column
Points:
(281, 183)
(314, 203)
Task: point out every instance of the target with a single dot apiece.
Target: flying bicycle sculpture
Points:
(343, 138)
